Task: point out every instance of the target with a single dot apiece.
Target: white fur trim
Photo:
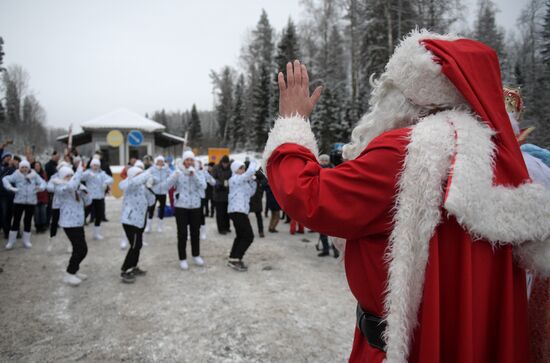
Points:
(413, 70)
(495, 213)
(417, 214)
(290, 130)
(500, 214)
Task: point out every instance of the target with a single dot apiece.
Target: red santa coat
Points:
(473, 305)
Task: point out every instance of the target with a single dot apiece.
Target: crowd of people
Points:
(70, 193)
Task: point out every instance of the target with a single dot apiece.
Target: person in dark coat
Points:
(51, 168)
(256, 201)
(274, 207)
(221, 174)
(209, 195)
(9, 166)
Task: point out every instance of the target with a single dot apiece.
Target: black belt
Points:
(372, 327)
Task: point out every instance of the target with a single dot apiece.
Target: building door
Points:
(137, 152)
(110, 154)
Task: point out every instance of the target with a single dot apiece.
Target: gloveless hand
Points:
(294, 97)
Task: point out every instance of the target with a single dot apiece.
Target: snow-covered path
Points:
(291, 306)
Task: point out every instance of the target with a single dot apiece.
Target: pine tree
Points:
(262, 109)
(224, 106)
(288, 49)
(486, 29)
(195, 133)
(238, 120)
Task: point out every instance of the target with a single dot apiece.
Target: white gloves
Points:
(149, 183)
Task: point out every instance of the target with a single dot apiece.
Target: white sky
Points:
(88, 57)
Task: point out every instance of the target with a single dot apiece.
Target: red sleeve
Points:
(350, 201)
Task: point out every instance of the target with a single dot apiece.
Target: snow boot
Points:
(27, 239)
(198, 261)
(11, 240)
(97, 233)
(203, 232)
(71, 279)
(148, 225)
(184, 265)
(159, 225)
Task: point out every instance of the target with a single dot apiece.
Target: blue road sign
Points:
(135, 138)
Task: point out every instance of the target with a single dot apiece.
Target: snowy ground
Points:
(291, 306)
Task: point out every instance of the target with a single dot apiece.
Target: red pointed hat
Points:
(473, 68)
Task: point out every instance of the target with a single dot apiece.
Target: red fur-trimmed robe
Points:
(472, 298)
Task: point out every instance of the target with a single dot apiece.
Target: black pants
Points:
(54, 222)
(260, 221)
(192, 218)
(162, 203)
(244, 235)
(222, 218)
(209, 207)
(49, 209)
(18, 210)
(135, 238)
(97, 208)
(204, 204)
(6, 203)
(324, 242)
(80, 248)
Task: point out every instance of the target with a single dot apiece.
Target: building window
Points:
(110, 154)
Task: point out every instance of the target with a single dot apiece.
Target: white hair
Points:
(389, 109)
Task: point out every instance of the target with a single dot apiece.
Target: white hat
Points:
(324, 157)
(159, 158)
(133, 171)
(61, 164)
(188, 155)
(139, 164)
(24, 163)
(64, 171)
(95, 162)
(236, 165)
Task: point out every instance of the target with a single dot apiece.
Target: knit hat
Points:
(24, 164)
(133, 171)
(139, 164)
(236, 165)
(6, 153)
(188, 155)
(324, 157)
(64, 171)
(61, 164)
(225, 159)
(159, 158)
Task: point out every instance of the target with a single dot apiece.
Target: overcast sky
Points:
(88, 57)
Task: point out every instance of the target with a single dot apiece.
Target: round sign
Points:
(135, 138)
(115, 138)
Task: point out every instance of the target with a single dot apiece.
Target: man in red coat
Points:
(435, 203)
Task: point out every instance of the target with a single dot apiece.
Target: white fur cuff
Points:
(290, 130)
(535, 257)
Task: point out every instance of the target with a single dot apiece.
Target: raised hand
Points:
(294, 97)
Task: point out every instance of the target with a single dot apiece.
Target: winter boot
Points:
(148, 225)
(203, 232)
(198, 260)
(123, 243)
(11, 240)
(27, 239)
(97, 233)
(159, 225)
(184, 265)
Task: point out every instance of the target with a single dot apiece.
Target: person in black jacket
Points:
(221, 174)
(256, 201)
(209, 195)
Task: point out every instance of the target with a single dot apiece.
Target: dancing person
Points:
(188, 183)
(210, 182)
(242, 186)
(209, 206)
(72, 197)
(25, 183)
(221, 173)
(135, 205)
(434, 190)
(97, 181)
(51, 168)
(161, 172)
